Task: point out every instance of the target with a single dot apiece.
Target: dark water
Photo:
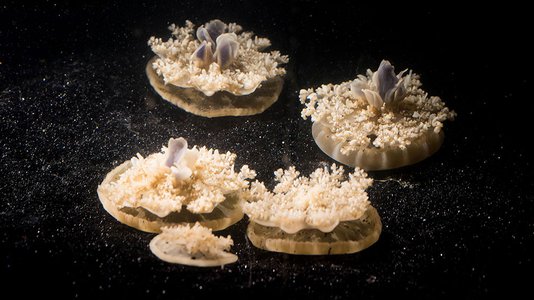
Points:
(74, 102)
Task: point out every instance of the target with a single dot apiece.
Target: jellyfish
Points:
(378, 121)
(217, 70)
(176, 186)
(192, 245)
(325, 213)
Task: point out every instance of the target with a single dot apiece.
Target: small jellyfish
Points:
(193, 246)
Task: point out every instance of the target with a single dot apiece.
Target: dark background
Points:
(75, 102)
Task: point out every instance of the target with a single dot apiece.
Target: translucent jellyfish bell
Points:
(193, 246)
